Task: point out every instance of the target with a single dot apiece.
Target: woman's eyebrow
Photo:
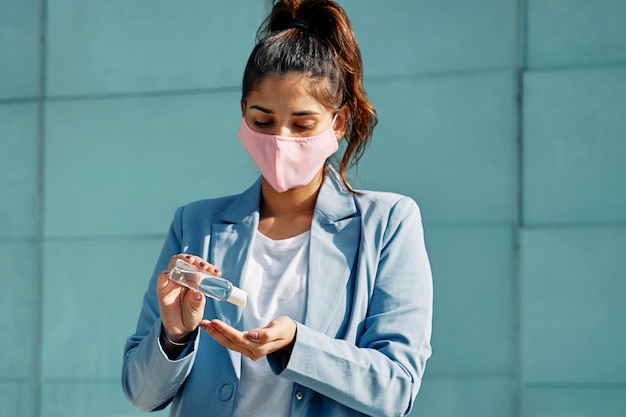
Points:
(262, 109)
(305, 113)
(297, 113)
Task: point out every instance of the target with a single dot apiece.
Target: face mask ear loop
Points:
(332, 124)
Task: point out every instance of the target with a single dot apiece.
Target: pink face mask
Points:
(288, 162)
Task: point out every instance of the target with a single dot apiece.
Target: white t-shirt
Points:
(276, 281)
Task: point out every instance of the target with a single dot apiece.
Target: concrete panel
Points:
(93, 294)
(400, 37)
(449, 142)
(18, 309)
(19, 48)
(574, 147)
(122, 166)
(565, 33)
(474, 395)
(575, 401)
(147, 45)
(474, 322)
(18, 158)
(15, 399)
(88, 398)
(573, 310)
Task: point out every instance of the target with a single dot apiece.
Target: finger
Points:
(190, 259)
(231, 338)
(212, 269)
(163, 280)
(197, 262)
(282, 330)
(229, 333)
(227, 338)
(166, 288)
(247, 348)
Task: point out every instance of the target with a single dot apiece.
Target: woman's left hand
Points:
(256, 343)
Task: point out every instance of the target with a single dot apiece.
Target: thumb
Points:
(193, 308)
(196, 298)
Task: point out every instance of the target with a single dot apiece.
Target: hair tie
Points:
(298, 23)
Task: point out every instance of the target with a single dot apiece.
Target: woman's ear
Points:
(243, 108)
(341, 122)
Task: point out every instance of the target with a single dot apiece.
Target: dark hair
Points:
(315, 38)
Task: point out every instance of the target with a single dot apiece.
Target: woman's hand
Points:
(181, 308)
(279, 334)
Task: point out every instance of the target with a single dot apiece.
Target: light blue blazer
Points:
(365, 339)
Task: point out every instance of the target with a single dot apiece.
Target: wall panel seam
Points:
(521, 59)
(37, 366)
(144, 94)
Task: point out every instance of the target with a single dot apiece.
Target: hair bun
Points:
(316, 16)
(299, 24)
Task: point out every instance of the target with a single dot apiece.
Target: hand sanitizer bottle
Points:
(215, 287)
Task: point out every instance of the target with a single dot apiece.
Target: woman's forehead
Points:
(289, 91)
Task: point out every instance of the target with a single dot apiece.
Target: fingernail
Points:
(253, 334)
(188, 257)
(201, 264)
(216, 271)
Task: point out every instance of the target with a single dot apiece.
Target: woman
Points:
(338, 320)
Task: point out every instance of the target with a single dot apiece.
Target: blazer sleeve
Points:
(149, 379)
(380, 374)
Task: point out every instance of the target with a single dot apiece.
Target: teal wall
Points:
(504, 119)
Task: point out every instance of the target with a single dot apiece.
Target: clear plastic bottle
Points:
(215, 287)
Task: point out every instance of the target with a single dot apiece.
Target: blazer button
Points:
(226, 391)
(299, 395)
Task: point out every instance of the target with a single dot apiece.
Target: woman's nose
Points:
(283, 130)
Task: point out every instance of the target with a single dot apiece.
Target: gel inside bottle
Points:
(215, 287)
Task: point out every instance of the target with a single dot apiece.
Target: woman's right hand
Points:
(181, 308)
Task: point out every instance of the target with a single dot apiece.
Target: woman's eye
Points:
(304, 128)
(262, 124)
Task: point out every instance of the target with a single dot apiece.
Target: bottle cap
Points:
(238, 297)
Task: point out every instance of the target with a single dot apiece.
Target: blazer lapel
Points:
(231, 244)
(335, 236)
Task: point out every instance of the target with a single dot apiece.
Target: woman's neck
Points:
(294, 202)
(288, 214)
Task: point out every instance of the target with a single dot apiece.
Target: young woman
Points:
(338, 319)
